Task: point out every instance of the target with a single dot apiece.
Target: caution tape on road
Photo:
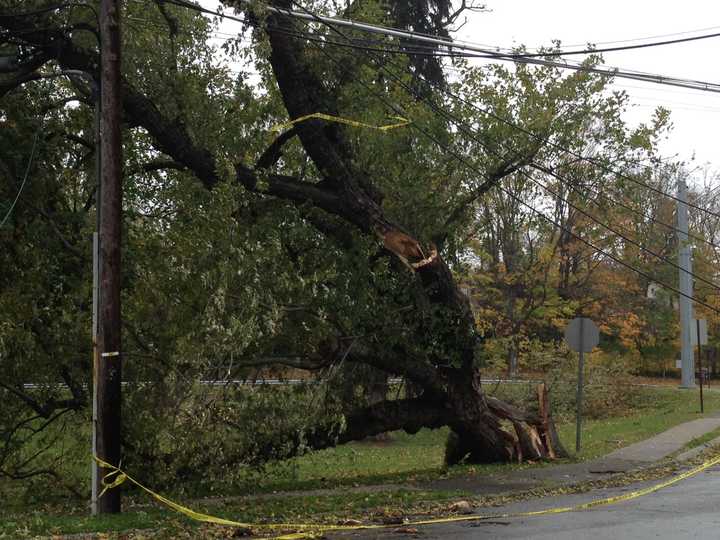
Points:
(117, 477)
(340, 120)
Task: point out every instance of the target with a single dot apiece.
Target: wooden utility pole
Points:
(108, 375)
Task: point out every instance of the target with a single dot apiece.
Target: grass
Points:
(660, 410)
(333, 508)
(405, 461)
(699, 441)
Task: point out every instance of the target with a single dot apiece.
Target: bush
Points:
(606, 388)
(211, 438)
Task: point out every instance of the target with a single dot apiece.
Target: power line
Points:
(328, 21)
(591, 50)
(551, 143)
(195, 7)
(475, 51)
(616, 232)
(578, 155)
(667, 90)
(22, 185)
(485, 53)
(656, 36)
(461, 159)
(460, 124)
(325, 21)
(469, 131)
(582, 211)
(574, 187)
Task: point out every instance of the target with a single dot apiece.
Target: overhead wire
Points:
(599, 250)
(323, 20)
(580, 156)
(656, 36)
(482, 52)
(538, 212)
(592, 50)
(479, 52)
(183, 3)
(621, 204)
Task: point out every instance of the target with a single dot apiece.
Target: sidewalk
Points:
(635, 456)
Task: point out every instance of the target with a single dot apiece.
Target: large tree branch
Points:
(171, 137)
(305, 93)
(409, 415)
(273, 153)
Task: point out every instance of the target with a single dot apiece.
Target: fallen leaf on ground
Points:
(461, 507)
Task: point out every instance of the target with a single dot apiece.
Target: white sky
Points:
(576, 22)
(695, 114)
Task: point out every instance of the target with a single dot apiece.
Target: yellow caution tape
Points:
(192, 514)
(310, 530)
(340, 120)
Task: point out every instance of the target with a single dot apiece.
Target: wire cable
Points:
(541, 140)
(479, 52)
(478, 171)
(22, 185)
(574, 186)
(323, 20)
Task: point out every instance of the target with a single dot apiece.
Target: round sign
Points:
(582, 335)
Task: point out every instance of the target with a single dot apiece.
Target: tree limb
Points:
(409, 415)
(273, 153)
(492, 179)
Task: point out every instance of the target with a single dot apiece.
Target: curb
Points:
(694, 452)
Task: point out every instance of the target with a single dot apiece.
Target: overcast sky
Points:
(695, 114)
(575, 22)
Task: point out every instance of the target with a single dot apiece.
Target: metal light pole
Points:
(686, 288)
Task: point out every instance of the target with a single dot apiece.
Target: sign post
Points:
(701, 338)
(581, 335)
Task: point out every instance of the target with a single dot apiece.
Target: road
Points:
(688, 509)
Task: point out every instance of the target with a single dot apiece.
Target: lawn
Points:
(419, 457)
(402, 460)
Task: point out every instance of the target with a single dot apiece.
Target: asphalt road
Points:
(688, 509)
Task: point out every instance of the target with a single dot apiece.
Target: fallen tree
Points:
(342, 200)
